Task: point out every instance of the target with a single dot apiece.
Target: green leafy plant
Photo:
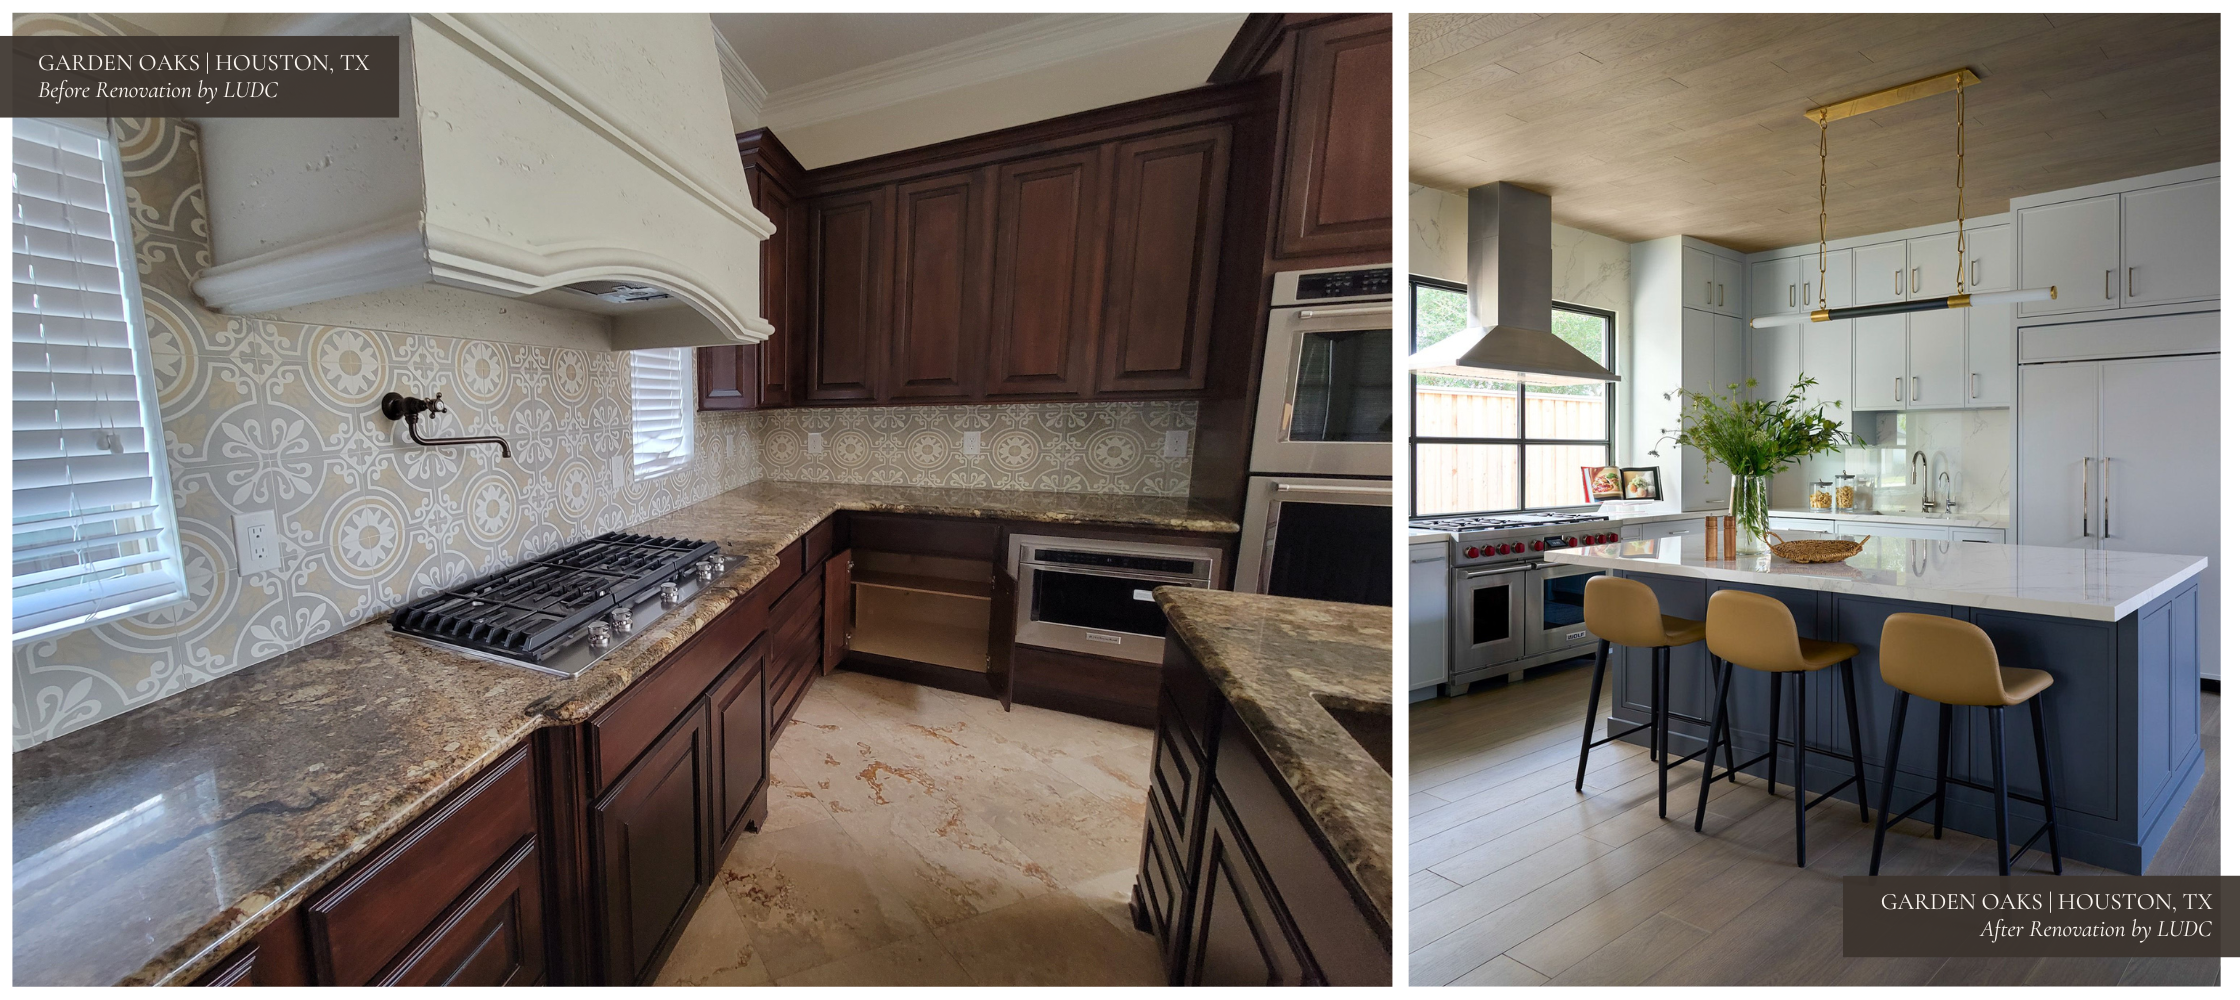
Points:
(1756, 437)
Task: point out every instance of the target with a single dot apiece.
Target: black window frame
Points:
(1610, 410)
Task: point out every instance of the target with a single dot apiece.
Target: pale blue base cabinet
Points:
(2122, 720)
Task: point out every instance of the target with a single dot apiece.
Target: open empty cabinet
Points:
(923, 596)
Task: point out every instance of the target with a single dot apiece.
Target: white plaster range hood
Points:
(533, 152)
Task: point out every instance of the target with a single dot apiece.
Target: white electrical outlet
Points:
(620, 470)
(256, 541)
(1178, 444)
(816, 442)
(972, 442)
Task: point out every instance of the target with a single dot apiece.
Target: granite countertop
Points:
(2031, 579)
(1279, 660)
(150, 846)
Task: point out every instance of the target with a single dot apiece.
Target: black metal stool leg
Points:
(1798, 778)
(1594, 705)
(1773, 735)
(1889, 779)
(1661, 684)
(1725, 734)
(1999, 781)
(1944, 764)
(1725, 673)
(2045, 781)
(1858, 757)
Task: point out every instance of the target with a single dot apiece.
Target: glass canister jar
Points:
(1846, 492)
(1822, 499)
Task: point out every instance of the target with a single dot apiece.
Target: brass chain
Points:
(1823, 208)
(1960, 184)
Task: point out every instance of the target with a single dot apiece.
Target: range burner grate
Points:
(525, 612)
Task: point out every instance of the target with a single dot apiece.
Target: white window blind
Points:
(95, 537)
(660, 410)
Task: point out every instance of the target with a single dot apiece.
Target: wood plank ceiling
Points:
(1645, 125)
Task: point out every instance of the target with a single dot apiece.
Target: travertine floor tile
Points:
(918, 961)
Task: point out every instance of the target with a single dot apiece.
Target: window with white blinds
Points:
(95, 536)
(660, 410)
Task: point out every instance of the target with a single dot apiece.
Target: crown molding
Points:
(1030, 45)
(741, 89)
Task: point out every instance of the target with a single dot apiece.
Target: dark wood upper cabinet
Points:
(1337, 172)
(652, 837)
(726, 376)
(850, 278)
(940, 288)
(1167, 200)
(1043, 308)
(758, 376)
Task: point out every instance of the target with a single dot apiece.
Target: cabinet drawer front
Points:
(494, 937)
(618, 735)
(359, 925)
(774, 587)
(821, 542)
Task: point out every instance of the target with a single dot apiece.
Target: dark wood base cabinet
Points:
(1236, 882)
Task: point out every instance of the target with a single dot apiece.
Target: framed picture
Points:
(1604, 482)
(1641, 484)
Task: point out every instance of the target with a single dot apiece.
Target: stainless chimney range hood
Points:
(1511, 281)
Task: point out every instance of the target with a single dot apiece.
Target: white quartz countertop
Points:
(2030, 579)
(1908, 517)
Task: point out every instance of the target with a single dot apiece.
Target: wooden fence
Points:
(1453, 478)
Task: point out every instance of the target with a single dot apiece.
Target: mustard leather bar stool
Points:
(1758, 632)
(1952, 662)
(1625, 613)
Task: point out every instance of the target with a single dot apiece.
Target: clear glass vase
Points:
(1749, 505)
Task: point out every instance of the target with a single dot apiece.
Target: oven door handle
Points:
(1178, 579)
(1379, 309)
(1483, 573)
(1382, 491)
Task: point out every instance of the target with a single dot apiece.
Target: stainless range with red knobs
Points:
(1509, 609)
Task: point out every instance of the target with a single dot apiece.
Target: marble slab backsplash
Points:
(1069, 447)
(1975, 446)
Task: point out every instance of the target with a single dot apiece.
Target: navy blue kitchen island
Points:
(2119, 632)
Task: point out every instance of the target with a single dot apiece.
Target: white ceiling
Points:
(787, 50)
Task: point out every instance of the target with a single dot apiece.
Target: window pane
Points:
(1585, 331)
(1447, 406)
(1567, 411)
(1461, 478)
(1552, 473)
(1440, 313)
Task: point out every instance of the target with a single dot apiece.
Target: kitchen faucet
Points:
(1944, 486)
(1928, 506)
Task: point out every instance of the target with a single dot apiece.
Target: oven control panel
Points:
(1333, 284)
(1526, 548)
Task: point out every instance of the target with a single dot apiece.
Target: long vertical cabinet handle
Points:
(2086, 485)
(1898, 389)
(2104, 496)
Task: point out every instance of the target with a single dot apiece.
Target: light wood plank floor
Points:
(1515, 879)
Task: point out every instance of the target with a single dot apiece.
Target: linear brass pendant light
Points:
(1955, 83)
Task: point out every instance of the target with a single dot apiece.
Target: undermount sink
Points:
(1373, 730)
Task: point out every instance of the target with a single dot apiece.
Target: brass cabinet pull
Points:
(2086, 486)
(1975, 384)
(2107, 285)
(1975, 272)
(1917, 279)
(2104, 463)
(1722, 294)
(2131, 281)
(1792, 295)
(1898, 389)
(1898, 282)
(1707, 293)
(1917, 388)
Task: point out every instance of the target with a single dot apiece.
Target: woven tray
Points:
(1816, 550)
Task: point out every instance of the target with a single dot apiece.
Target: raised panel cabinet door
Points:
(1773, 288)
(1168, 197)
(1878, 363)
(1937, 359)
(738, 705)
(940, 288)
(2071, 246)
(850, 276)
(1878, 273)
(726, 377)
(2056, 455)
(1337, 175)
(784, 282)
(2170, 243)
(1042, 318)
(1239, 935)
(1728, 295)
(494, 937)
(651, 846)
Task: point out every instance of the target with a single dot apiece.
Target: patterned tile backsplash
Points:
(273, 416)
